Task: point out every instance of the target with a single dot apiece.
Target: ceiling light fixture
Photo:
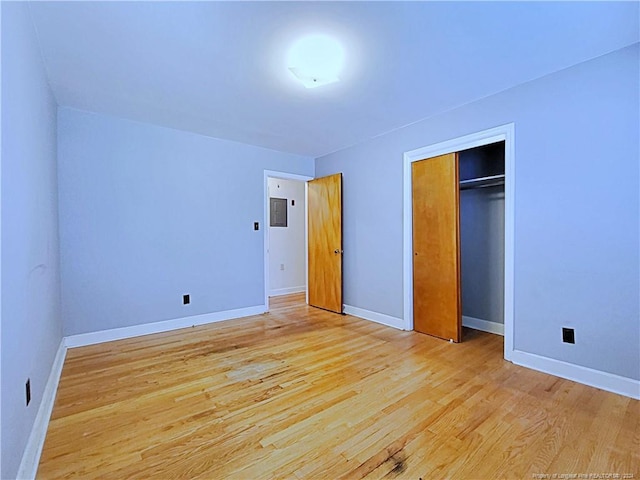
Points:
(316, 60)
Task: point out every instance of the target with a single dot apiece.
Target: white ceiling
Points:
(218, 68)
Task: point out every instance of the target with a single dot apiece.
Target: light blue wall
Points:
(576, 205)
(148, 214)
(31, 324)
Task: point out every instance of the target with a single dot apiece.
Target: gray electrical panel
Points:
(278, 209)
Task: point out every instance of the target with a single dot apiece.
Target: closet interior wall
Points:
(482, 234)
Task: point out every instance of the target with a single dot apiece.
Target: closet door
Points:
(436, 249)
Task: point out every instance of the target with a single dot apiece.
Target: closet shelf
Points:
(481, 182)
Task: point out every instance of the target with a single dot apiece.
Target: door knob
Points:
(336, 250)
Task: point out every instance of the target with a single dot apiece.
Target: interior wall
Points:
(482, 237)
(287, 260)
(148, 214)
(577, 209)
(31, 322)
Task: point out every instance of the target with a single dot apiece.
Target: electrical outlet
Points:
(186, 299)
(28, 390)
(568, 335)
(282, 266)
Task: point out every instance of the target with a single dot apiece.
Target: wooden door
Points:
(436, 251)
(325, 242)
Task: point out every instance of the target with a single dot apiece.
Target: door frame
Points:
(501, 133)
(265, 230)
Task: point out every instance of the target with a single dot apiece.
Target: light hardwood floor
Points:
(304, 393)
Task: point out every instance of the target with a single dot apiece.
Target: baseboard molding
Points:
(588, 376)
(387, 320)
(483, 325)
(287, 291)
(92, 338)
(31, 456)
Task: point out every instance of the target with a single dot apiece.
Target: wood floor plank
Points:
(303, 393)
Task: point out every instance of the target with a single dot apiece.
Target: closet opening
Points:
(459, 191)
(482, 206)
(458, 242)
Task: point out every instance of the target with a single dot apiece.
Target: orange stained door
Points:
(436, 251)
(325, 242)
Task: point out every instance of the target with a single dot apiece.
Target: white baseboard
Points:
(287, 291)
(31, 456)
(92, 338)
(588, 376)
(387, 320)
(483, 325)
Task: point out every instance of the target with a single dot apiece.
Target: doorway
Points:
(285, 234)
(504, 134)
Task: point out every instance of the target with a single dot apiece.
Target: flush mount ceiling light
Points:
(316, 60)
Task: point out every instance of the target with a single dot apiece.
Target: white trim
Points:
(265, 224)
(588, 376)
(509, 240)
(31, 456)
(306, 242)
(91, 338)
(387, 320)
(504, 133)
(1, 150)
(287, 176)
(483, 325)
(287, 291)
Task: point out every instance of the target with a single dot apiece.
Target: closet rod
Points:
(490, 181)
